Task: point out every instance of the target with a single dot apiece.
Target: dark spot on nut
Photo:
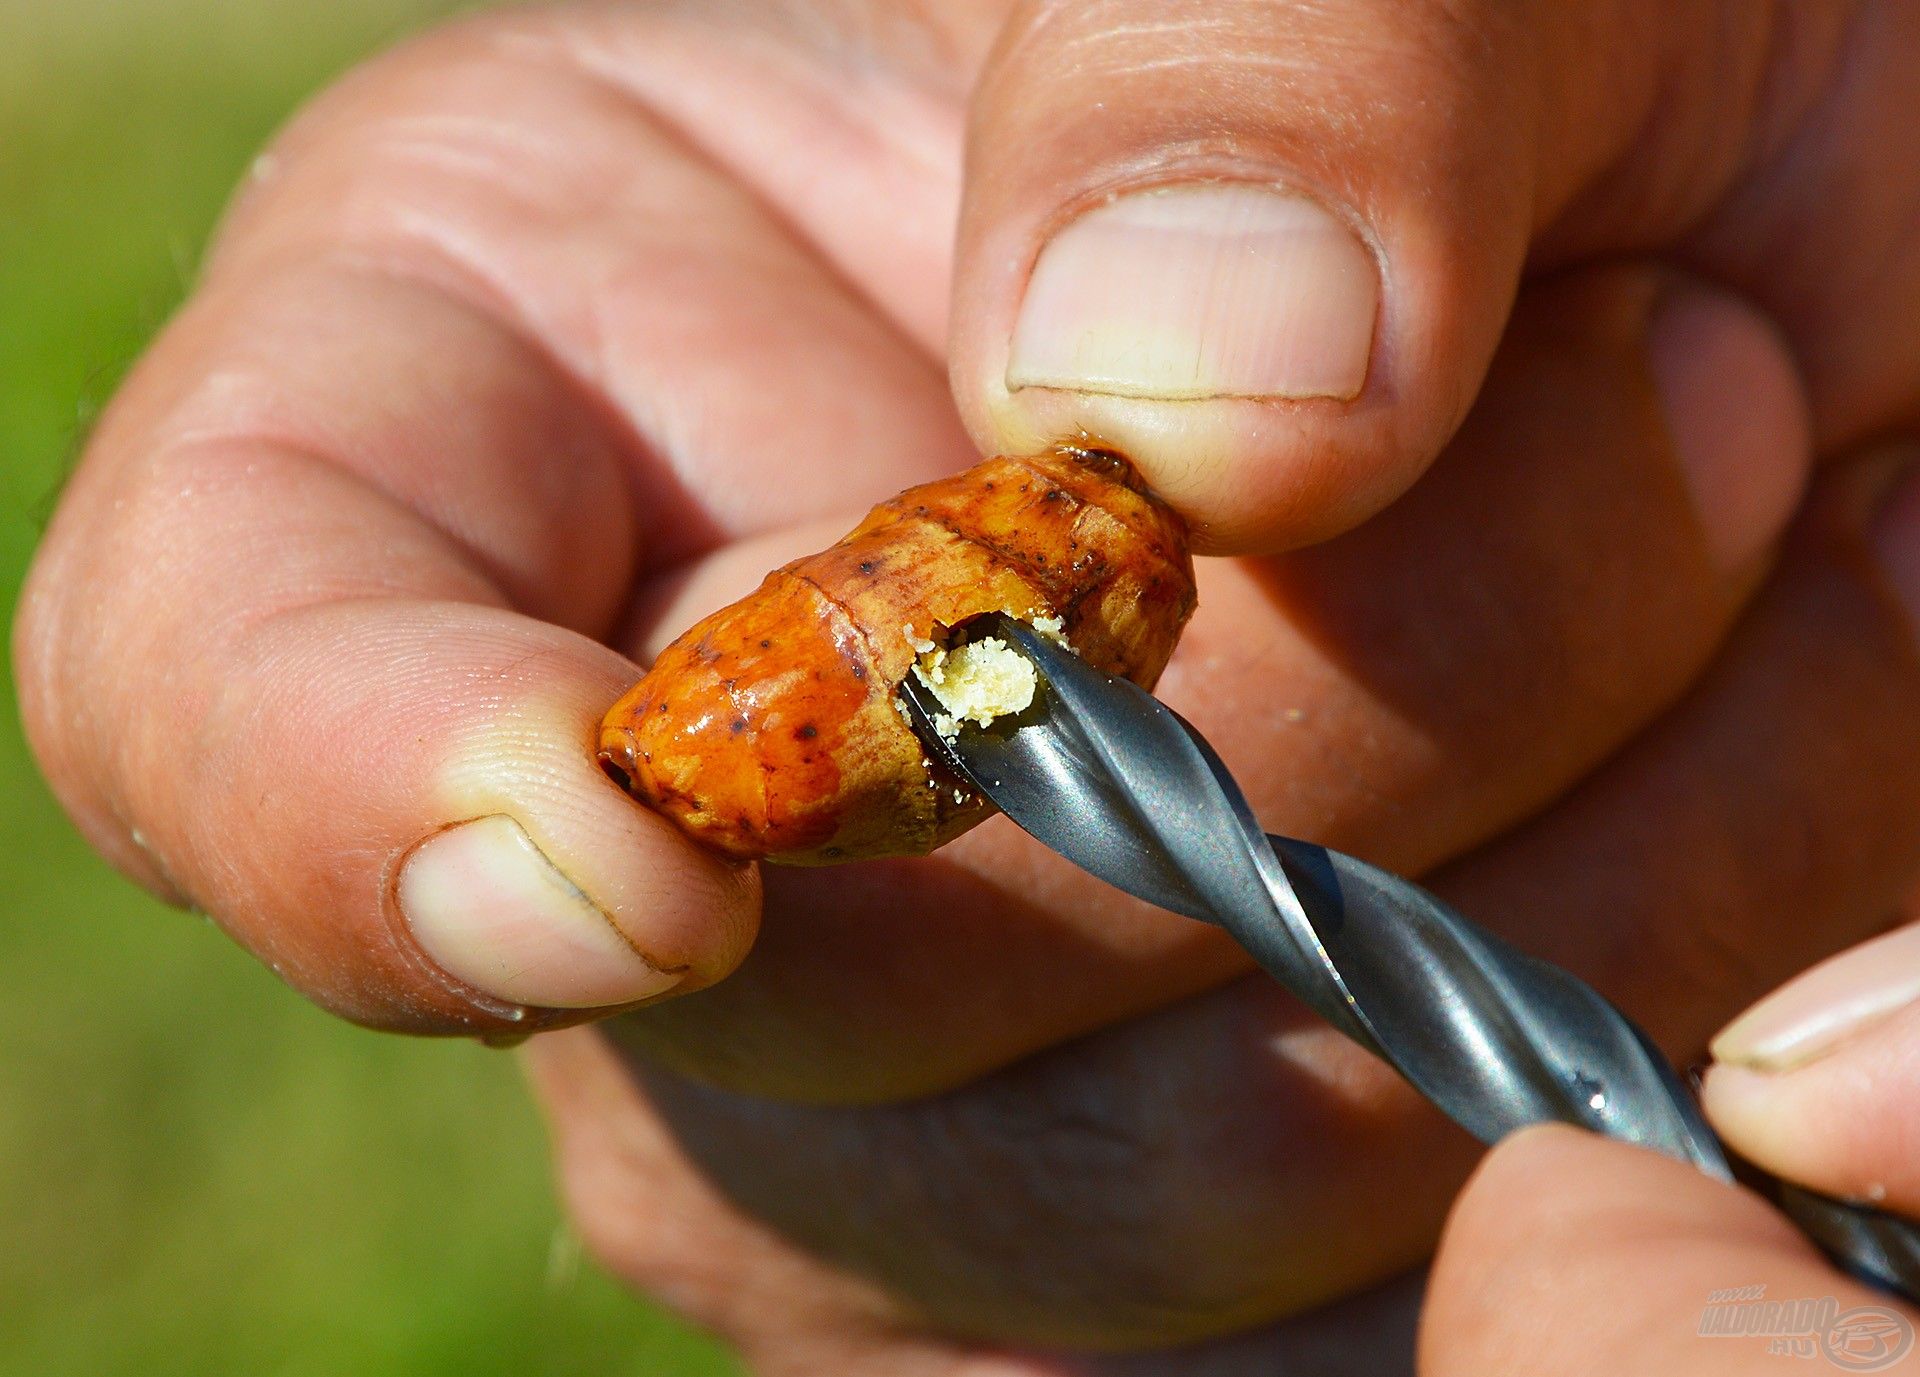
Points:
(867, 566)
(806, 733)
(738, 725)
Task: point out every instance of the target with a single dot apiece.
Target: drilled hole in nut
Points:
(615, 771)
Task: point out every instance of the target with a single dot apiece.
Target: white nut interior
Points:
(976, 682)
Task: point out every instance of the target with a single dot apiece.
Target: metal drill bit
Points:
(1100, 771)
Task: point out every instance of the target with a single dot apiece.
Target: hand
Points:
(1565, 1253)
(1647, 1259)
(551, 331)
(1655, 1268)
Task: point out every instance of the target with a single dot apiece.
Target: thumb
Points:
(1267, 250)
(330, 690)
(1568, 1253)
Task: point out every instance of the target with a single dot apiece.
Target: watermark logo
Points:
(1865, 1338)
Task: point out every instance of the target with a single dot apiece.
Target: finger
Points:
(418, 402)
(1816, 1082)
(658, 1223)
(1844, 1121)
(1268, 250)
(282, 693)
(826, 114)
(1594, 505)
(1747, 865)
(1654, 1268)
(506, 161)
(1230, 1159)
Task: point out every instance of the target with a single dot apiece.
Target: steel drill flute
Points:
(1100, 771)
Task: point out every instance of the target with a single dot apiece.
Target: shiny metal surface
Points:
(1103, 773)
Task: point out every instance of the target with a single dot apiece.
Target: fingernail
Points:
(1736, 416)
(1816, 1012)
(489, 908)
(1220, 289)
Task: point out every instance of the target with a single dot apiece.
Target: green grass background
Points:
(199, 1174)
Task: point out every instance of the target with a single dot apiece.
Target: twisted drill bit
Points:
(1100, 771)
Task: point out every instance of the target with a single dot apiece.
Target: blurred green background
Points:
(198, 1172)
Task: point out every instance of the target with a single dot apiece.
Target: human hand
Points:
(321, 589)
(1566, 1253)
(1573, 1254)
(1659, 1270)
